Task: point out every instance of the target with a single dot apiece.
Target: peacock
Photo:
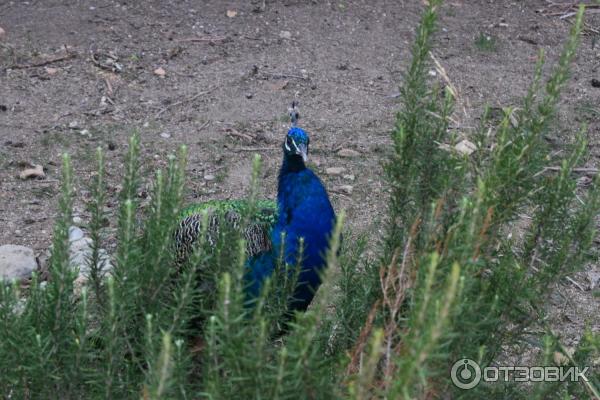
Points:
(300, 222)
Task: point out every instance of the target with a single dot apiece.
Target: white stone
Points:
(80, 251)
(75, 233)
(348, 153)
(465, 147)
(16, 262)
(346, 189)
(335, 171)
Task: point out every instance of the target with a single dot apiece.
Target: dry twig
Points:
(255, 148)
(188, 100)
(284, 76)
(204, 39)
(42, 63)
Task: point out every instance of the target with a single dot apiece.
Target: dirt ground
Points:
(218, 76)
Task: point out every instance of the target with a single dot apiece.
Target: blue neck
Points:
(291, 164)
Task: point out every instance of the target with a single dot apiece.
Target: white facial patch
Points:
(286, 146)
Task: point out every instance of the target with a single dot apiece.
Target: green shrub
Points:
(452, 281)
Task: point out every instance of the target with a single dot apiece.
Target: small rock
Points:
(596, 83)
(16, 262)
(594, 278)
(75, 234)
(347, 189)
(36, 172)
(74, 124)
(231, 13)
(334, 171)
(51, 71)
(465, 147)
(348, 153)
(249, 95)
(349, 177)
(77, 221)
(80, 251)
(85, 132)
(209, 177)
(285, 34)
(112, 146)
(165, 135)
(160, 71)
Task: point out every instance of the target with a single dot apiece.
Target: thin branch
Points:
(283, 76)
(67, 56)
(188, 100)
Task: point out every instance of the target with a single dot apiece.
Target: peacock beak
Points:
(302, 150)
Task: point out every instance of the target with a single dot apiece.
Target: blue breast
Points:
(304, 212)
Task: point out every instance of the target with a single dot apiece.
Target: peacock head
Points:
(296, 144)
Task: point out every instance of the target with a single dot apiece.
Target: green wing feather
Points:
(257, 232)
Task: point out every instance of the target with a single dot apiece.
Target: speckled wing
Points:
(257, 233)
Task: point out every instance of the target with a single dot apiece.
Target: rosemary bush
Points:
(451, 281)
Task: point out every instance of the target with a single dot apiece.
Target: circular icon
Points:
(465, 374)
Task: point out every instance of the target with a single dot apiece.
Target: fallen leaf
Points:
(560, 358)
(51, 71)
(465, 147)
(36, 172)
(231, 13)
(160, 72)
